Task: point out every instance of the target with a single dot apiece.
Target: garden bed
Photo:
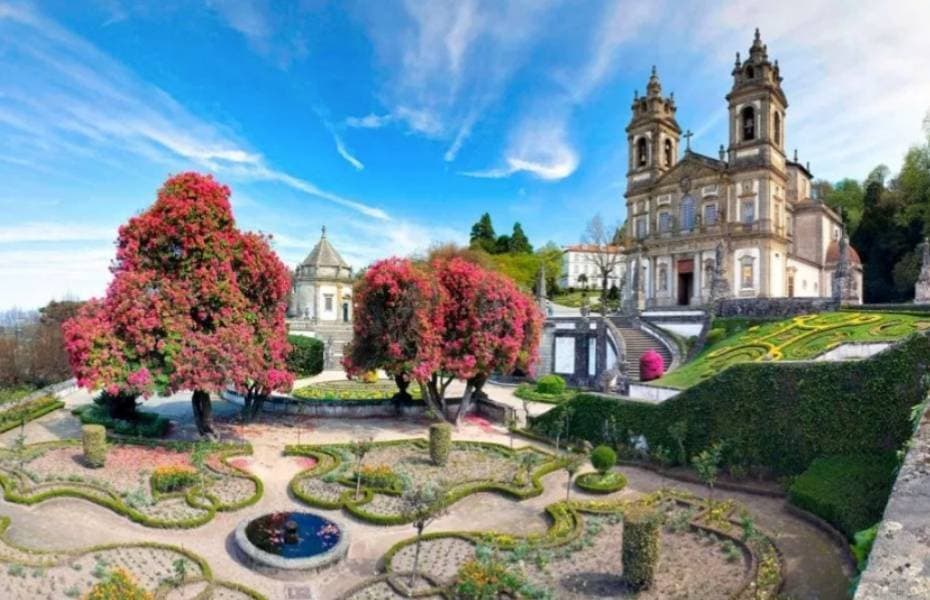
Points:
(598, 483)
(527, 391)
(352, 390)
(38, 472)
(16, 412)
(472, 467)
(702, 547)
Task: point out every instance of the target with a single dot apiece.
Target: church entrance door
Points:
(685, 281)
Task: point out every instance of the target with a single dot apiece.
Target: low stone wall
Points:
(899, 566)
(56, 389)
(651, 393)
(773, 307)
(364, 409)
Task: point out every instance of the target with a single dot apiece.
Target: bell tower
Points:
(652, 135)
(757, 108)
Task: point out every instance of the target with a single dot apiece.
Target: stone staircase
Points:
(638, 342)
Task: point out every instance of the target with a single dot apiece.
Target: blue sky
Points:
(396, 124)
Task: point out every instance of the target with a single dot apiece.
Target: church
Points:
(751, 206)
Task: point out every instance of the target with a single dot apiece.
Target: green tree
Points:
(707, 465)
(849, 197)
(482, 234)
(502, 245)
(519, 243)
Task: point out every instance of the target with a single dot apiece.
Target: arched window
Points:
(642, 152)
(668, 153)
(748, 119)
(777, 129)
(687, 213)
(750, 72)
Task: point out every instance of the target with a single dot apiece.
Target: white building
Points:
(586, 260)
(322, 289)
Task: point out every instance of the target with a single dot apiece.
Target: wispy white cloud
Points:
(369, 121)
(74, 98)
(54, 232)
(541, 148)
(268, 32)
(344, 153)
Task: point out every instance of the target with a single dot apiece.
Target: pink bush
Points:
(651, 366)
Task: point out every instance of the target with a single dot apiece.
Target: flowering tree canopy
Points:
(456, 321)
(396, 323)
(194, 304)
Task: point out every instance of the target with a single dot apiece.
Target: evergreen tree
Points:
(482, 234)
(501, 245)
(519, 243)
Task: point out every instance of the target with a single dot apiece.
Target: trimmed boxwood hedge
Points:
(146, 424)
(776, 415)
(848, 491)
(28, 411)
(601, 484)
(306, 356)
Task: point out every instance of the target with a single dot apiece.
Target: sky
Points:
(397, 124)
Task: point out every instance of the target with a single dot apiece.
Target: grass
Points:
(573, 299)
(11, 394)
(527, 391)
(798, 338)
(352, 390)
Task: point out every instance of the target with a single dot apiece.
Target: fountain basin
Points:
(292, 540)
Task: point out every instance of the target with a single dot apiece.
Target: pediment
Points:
(690, 168)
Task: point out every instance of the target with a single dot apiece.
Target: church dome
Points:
(833, 254)
(324, 262)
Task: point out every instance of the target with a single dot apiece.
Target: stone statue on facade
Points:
(637, 300)
(922, 287)
(720, 285)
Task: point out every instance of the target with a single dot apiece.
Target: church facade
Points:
(752, 200)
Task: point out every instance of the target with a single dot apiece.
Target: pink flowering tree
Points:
(194, 304)
(396, 325)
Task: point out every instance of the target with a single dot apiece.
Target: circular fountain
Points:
(292, 540)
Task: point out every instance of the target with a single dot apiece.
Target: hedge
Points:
(598, 483)
(640, 547)
(776, 415)
(146, 424)
(28, 411)
(848, 491)
(440, 442)
(306, 356)
(528, 392)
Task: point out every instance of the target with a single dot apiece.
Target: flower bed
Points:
(352, 390)
(601, 484)
(703, 549)
(158, 569)
(471, 467)
(125, 485)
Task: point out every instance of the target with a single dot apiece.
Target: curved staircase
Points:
(638, 342)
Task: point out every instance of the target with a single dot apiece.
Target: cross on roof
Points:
(687, 135)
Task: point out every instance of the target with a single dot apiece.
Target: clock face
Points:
(685, 183)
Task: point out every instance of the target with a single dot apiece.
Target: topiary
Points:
(118, 584)
(550, 384)
(603, 458)
(440, 442)
(640, 547)
(94, 438)
(651, 366)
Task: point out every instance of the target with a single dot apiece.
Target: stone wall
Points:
(773, 307)
(899, 566)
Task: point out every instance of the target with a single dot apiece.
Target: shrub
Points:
(526, 391)
(715, 335)
(603, 458)
(651, 366)
(94, 438)
(487, 578)
(119, 585)
(848, 491)
(306, 356)
(26, 411)
(440, 442)
(640, 547)
(144, 424)
(381, 477)
(172, 479)
(550, 384)
(369, 377)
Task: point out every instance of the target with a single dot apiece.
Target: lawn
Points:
(383, 389)
(798, 338)
(573, 299)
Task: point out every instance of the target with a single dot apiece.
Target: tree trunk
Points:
(466, 401)
(203, 412)
(122, 406)
(402, 384)
(426, 390)
(416, 560)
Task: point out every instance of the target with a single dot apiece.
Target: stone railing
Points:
(773, 307)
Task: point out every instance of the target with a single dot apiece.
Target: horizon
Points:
(397, 129)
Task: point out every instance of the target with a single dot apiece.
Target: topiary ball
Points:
(603, 458)
(651, 366)
(550, 384)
